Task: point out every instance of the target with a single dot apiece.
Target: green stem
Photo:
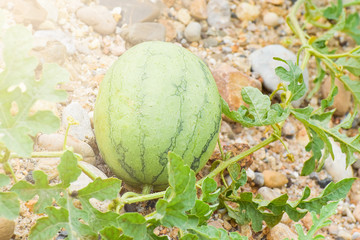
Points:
(88, 172)
(41, 154)
(224, 165)
(143, 198)
(221, 150)
(351, 3)
(7, 166)
(147, 188)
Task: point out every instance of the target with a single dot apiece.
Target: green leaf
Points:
(318, 123)
(48, 227)
(68, 169)
(210, 192)
(212, 233)
(294, 77)
(260, 111)
(20, 89)
(351, 27)
(332, 192)
(237, 175)
(9, 202)
(202, 212)
(46, 193)
(101, 189)
(353, 86)
(179, 197)
(350, 64)
(334, 11)
(110, 233)
(133, 225)
(318, 223)
(4, 180)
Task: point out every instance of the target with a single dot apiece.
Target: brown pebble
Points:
(281, 231)
(274, 179)
(6, 228)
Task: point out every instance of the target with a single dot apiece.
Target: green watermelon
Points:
(157, 97)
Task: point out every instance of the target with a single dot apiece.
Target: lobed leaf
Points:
(260, 111)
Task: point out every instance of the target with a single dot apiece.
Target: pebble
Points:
(42, 37)
(192, 32)
(51, 9)
(344, 234)
(271, 19)
(262, 62)
(307, 221)
(216, 223)
(6, 228)
(355, 236)
(99, 17)
(226, 130)
(274, 179)
(170, 30)
(268, 193)
(218, 12)
(288, 130)
(337, 167)
(247, 12)
(324, 182)
(356, 213)
(53, 52)
(281, 231)
(49, 166)
(250, 174)
(210, 42)
(134, 11)
(230, 81)
(259, 179)
(342, 101)
(55, 141)
(183, 16)
(198, 9)
(28, 12)
(142, 32)
(83, 130)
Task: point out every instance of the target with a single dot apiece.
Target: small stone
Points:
(230, 81)
(333, 229)
(344, 234)
(281, 231)
(218, 12)
(314, 176)
(6, 228)
(263, 63)
(247, 12)
(250, 174)
(271, 19)
(192, 32)
(83, 130)
(51, 9)
(142, 32)
(227, 225)
(275, 2)
(215, 223)
(41, 38)
(274, 179)
(259, 179)
(169, 29)
(29, 12)
(99, 17)
(342, 101)
(198, 9)
(337, 167)
(356, 212)
(183, 16)
(268, 193)
(134, 11)
(307, 221)
(53, 52)
(55, 141)
(210, 42)
(226, 130)
(49, 166)
(324, 182)
(288, 130)
(355, 236)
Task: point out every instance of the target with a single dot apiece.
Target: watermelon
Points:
(157, 97)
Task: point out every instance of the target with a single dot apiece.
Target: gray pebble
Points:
(193, 32)
(355, 235)
(259, 179)
(218, 12)
(210, 42)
